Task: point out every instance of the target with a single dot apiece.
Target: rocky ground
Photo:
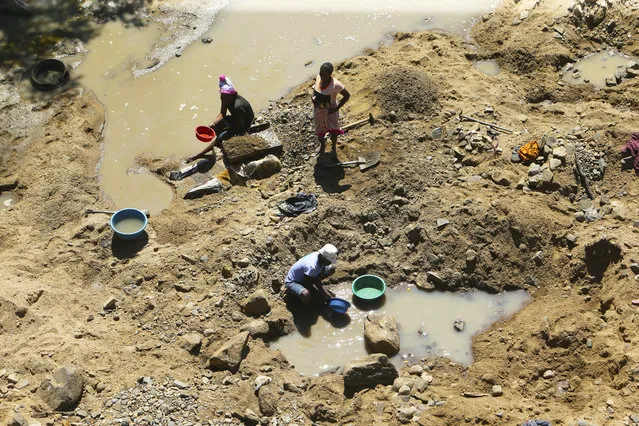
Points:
(174, 330)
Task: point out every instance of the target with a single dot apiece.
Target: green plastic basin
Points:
(369, 287)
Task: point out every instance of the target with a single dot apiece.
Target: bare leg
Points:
(322, 147)
(334, 142)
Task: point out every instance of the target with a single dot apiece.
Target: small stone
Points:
(534, 169)
(459, 325)
(261, 381)
(183, 288)
(589, 343)
(441, 223)
(145, 380)
(13, 378)
(580, 216)
(560, 153)
(634, 267)
(554, 163)
(180, 385)
(21, 311)
(251, 417)
(416, 370)
(368, 372)
(546, 176)
(404, 390)
(188, 258)
(229, 356)
(437, 133)
(257, 328)
(256, 304)
(406, 414)
(227, 272)
(243, 263)
(22, 384)
(496, 391)
(110, 304)
(191, 342)
(538, 258)
(549, 374)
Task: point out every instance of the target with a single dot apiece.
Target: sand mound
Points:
(406, 90)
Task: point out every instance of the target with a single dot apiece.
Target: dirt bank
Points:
(141, 321)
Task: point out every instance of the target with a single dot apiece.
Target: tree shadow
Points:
(327, 176)
(128, 249)
(28, 37)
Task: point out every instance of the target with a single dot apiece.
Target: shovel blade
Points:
(366, 161)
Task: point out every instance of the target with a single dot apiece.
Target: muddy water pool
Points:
(426, 326)
(488, 66)
(265, 50)
(595, 69)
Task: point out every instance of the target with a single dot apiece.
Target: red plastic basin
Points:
(204, 133)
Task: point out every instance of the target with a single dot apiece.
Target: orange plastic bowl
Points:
(204, 133)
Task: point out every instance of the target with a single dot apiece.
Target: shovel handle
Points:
(88, 211)
(347, 163)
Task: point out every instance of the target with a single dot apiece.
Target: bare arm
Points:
(345, 97)
(202, 153)
(209, 147)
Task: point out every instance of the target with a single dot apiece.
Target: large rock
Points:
(65, 391)
(229, 356)
(368, 372)
(381, 334)
(256, 304)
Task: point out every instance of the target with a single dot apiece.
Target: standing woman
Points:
(326, 108)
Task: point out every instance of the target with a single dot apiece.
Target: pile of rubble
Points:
(294, 125)
(149, 403)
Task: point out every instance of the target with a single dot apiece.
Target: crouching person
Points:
(305, 277)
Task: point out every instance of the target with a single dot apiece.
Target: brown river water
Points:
(265, 51)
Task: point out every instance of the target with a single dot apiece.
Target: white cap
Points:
(329, 251)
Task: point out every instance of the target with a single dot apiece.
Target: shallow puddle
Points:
(264, 49)
(425, 322)
(8, 199)
(488, 66)
(595, 69)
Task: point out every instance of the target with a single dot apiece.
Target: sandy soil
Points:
(201, 258)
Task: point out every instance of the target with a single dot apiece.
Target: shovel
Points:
(365, 161)
(89, 211)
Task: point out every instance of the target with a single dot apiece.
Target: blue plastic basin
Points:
(339, 305)
(128, 213)
(369, 287)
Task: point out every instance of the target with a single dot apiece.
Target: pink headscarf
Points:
(226, 86)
